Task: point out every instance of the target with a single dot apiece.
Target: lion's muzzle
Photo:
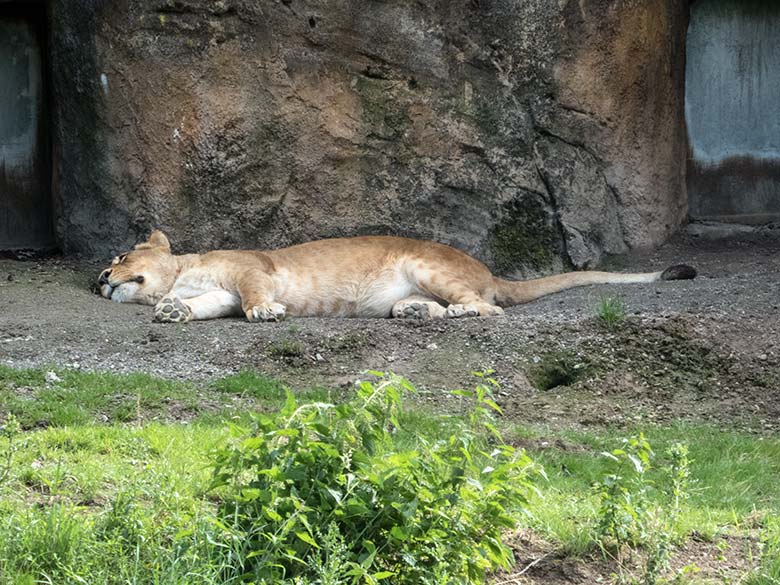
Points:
(106, 289)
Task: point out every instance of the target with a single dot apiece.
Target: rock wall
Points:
(535, 134)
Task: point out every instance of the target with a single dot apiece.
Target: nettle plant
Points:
(635, 513)
(323, 494)
(10, 431)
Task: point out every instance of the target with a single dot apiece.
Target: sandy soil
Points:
(706, 349)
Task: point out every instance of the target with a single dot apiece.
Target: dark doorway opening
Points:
(26, 217)
(733, 110)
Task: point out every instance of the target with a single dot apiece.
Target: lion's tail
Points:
(510, 293)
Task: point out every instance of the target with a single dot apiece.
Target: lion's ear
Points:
(157, 239)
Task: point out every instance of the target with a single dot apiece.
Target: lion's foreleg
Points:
(211, 305)
(257, 300)
(214, 305)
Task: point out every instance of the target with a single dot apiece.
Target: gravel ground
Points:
(704, 349)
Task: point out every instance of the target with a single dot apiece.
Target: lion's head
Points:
(142, 275)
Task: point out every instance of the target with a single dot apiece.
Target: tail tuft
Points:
(679, 272)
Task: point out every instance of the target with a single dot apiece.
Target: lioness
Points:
(373, 276)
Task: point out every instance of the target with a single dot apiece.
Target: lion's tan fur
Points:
(372, 276)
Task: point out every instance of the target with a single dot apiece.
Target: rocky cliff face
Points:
(534, 134)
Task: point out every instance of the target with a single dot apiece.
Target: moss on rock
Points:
(383, 111)
(525, 238)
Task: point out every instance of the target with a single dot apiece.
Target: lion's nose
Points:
(103, 279)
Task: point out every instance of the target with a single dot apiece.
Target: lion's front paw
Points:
(171, 309)
(473, 310)
(266, 312)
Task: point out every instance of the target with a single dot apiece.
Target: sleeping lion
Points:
(373, 276)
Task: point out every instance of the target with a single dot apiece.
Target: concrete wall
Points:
(25, 202)
(733, 110)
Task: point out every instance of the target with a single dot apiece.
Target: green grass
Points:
(79, 398)
(91, 500)
(768, 572)
(734, 471)
(733, 474)
(110, 482)
(268, 390)
(85, 398)
(251, 384)
(611, 312)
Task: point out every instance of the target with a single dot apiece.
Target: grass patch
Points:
(64, 398)
(289, 347)
(733, 479)
(251, 384)
(611, 312)
(286, 348)
(70, 398)
(270, 391)
(768, 572)
(105, 504)
(93, 496)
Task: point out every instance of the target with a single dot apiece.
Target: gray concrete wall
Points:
(733, 110)
(25, 207)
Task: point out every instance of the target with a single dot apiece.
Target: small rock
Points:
(431, 346)
(52, 378)
(763, 357)
(318, 357)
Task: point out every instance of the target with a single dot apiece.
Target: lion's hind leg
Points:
(466, 295)
(418, 307)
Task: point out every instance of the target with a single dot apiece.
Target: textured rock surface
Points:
(532, 134)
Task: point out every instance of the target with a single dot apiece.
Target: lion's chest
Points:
(194, 283)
